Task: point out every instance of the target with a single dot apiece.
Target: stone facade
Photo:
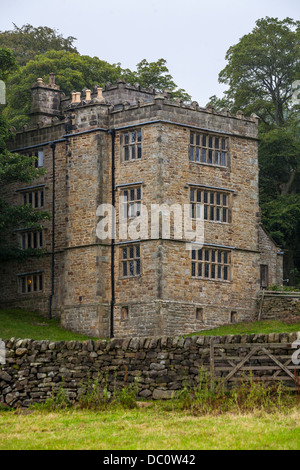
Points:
(105, 143)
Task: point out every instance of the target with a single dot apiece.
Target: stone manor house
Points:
(122, 140)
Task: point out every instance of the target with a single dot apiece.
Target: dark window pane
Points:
(40, 282)
(35, 287)
(197, 154)
(218, 199)
(197, 139)
(138, 194)
(223, 159)
(23, 242)
(223, 144)
(219, 256)
(131, 268)
(192, 195)
(210, 142)
(206, 270)
(203, 156)
(212, 198)
(34, 239)
(210, 153)
(216, 142)
(219, 272)
(217, 158)
(193, 269)
(139, 151)
(200, 274)
(124, 269)
(200, 254)
(29, 240)
(224, 215)
(40, 239)
(191, 138)
(138, 266)
(205, 212)
(224, 200)
(131, 252)
(132, 195)
(126, 138)
(204, 141)
(225, 258)
(212, 213)
(213, 255)
(132, 152)
(198, 195)
(139, 136)
(24, 199)
(137, 251)
(218, 214)
(192, 154)
(124, 253)
(132, 137)
(30, 198)
(213, 271)
(225, 273)
(206, 254)
(42, 198)
(193, 254)
(126, 153)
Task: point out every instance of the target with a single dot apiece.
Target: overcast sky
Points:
(192, 35)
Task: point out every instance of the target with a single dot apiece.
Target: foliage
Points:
(72, 72)
(212, 396)
(260, 72)
(27, 42)
(7, 63)
(155, 74)
(262, 67)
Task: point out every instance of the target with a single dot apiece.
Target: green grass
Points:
(16, 323)
(263, 326)
(151, 428)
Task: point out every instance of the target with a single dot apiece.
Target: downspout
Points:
(112, 258)
(53, 230)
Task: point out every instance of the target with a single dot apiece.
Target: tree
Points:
(27, 42)
(262, 68)
(155, 74)
(261, 71)
(7, 63)
(14, 167)
(72, 72)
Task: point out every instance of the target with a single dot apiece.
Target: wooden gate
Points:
(268, 362)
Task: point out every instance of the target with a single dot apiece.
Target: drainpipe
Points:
(112, 258)
(53, 145)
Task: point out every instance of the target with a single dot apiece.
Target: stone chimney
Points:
(45, 101)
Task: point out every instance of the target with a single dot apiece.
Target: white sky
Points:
(192, 35)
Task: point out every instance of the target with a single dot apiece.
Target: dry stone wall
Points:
(34, 370)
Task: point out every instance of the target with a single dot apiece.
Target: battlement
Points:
(116, 104)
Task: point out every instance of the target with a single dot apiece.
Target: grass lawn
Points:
(263, 326)
(15, 323)
(151, 428)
